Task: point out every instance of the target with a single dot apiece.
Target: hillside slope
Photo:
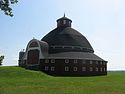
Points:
(16, 80)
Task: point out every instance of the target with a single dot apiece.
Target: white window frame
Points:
(59, 23)
(46, 68)
(69, 22)
(101, 69)
(91, 69)
(104, 63)
(104, 69)
(75, 61)
(46, 60)
(96, 69)
(101, 62)
(64, 21)
(52, 68)
(52, 60)
(66, 68)
(66, 60)
(75, 68)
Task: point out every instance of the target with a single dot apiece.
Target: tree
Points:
(1, 59)
(5, 6)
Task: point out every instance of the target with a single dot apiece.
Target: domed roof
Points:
(67, 36)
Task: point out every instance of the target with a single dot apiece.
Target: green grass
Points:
(15, 80)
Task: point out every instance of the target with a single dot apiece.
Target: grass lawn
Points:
(16, 80)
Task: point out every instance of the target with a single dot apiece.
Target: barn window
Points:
(91, 69)
(104, 63)
(96, 69)
(52, 60)
(47, 61)
(33, 44)
(66, 68)
(64, 21)
(75, 60)
(52, 68)
(46, 68)
(58, 23)
(101, 62)
(104, 69)
(100, 69)
(75, 68)
(66, 60)
(83, 68)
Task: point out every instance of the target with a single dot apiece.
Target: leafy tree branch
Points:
(5, 6)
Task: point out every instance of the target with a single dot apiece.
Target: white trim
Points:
(66, 60)
(46, 60)
(64, 21)
(52, 61)
(75, 61)
(91, 69)
(52, 68)
(75, 68)
(96, 69)
(104, 69)
(101, 69)
(66, 68)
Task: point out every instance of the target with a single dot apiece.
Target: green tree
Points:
(1, 59)
(5, 6)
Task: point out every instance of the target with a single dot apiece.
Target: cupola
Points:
(64, 22)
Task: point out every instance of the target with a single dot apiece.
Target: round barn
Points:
(63, 52)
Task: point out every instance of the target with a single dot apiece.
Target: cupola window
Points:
(64, 21)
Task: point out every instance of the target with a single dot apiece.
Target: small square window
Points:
(101, 62)
(83, 68)
(96, 69)
(52, 60)
(75, 60)
(66, 60)
(46, 68)
(91, 69)
(64, 21)
(100, 69)
(52, 68)
(66, 68)
(104, 69)
(47, 61)
(75, 68)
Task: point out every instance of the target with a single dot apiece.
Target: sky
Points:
(102, 22)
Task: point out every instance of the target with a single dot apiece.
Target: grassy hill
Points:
(15, 80)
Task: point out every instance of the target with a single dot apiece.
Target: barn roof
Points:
(66, 37)
(75, 55)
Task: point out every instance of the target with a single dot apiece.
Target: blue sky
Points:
(101, 21)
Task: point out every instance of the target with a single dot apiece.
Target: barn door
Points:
(33, 57)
